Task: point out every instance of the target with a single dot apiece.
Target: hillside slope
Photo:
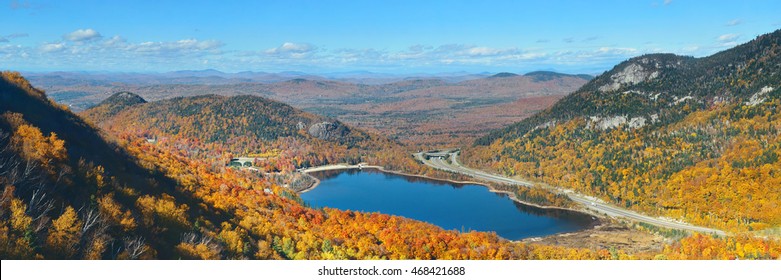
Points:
(286, 138)
(68, 193)
(688, 138)
(214, 118)
(113, 105)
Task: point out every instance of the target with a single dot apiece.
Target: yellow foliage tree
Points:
(115, 214)
(163, 210)
(65, 234)
(34, 146)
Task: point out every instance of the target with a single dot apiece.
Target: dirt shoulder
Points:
(606, 236)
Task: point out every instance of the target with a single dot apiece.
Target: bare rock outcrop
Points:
(329, 130)
(640, 70)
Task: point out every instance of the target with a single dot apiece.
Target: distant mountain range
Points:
(450, 106)
(215, 77)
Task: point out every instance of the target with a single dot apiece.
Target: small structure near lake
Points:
(244, 161)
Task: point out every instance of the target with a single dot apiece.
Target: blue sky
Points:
(401, 37)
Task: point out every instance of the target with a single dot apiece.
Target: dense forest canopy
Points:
(689, 138)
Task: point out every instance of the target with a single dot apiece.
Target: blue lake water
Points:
(460, 207)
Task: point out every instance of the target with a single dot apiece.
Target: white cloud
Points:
(728, 37)
(457, 55)
(115, 41)
(85, 49)
(626, 51)
(453, 53)
(7, 38)
(667, 2)
(119, 54)
(88, 49)
(116, 52)
(82, 35)
(728, 40)
(13, 53)
(291, 50)
(4, 49)
(52, 47)
(486, 51)
(353, 56)
(176, 48)
(734, 22)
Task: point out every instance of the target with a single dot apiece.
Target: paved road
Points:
(591, 203)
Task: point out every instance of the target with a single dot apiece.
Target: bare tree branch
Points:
(91, 219)
(38, 208)
(134, 247)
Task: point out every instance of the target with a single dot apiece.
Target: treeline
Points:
(707, 152)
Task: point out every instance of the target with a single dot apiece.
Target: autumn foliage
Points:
(698, 142)
(86, 197)
(717, 167)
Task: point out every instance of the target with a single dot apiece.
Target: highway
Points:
(592, 204)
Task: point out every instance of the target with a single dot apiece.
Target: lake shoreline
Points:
(509, 194)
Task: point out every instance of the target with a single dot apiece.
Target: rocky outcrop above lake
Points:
(329, 130)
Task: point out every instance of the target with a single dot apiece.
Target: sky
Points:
(394, 36)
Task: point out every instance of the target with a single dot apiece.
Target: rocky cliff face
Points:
(640, 70)
(329, 130)
(660, 89)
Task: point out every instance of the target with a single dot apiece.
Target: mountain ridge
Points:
(662, 134)
(214, 115)
(640, 77)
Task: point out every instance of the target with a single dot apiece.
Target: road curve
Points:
(589, 203)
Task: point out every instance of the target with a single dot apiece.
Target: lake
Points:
(462, 207)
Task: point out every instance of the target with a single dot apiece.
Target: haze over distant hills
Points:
(434, 109)
(216, 77)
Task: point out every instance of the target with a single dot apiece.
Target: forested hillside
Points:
(71, 192)
(219, 127)
(214, 118)
(68, 193)
(695, 139)
(113, 105)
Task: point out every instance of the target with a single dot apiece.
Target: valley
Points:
(677, 155)
(424, 111)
